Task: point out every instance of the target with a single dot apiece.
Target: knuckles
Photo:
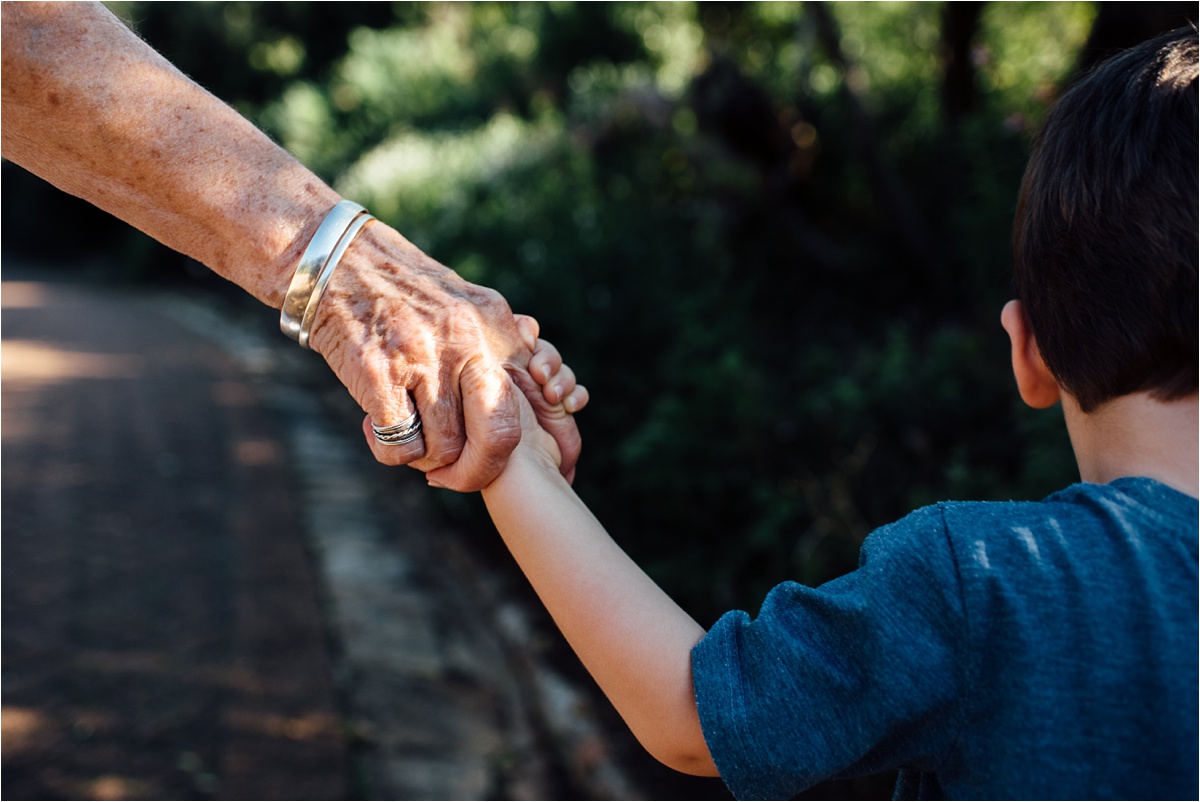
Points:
(444, 455)
(442, 339)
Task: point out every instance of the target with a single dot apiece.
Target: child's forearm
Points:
(631, 636)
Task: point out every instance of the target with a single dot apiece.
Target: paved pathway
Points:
(161, 630)
(209, 592)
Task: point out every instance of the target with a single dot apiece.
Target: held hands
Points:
(553, 389)
(399, 329)
(92, 108)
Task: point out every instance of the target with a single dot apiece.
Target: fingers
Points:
(392, 454)
(547, 369)
(557, 379)
(396, 453)
(442, 409)
(555, 396)
(439, 405)
(528, 329)
(577, 399)
(561, 426)
(555, 419)
(491, 419)
(469, 430)
(399, 329)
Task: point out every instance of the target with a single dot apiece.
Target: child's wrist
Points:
(526, 462)
(534, 454)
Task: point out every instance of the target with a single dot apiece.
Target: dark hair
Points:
(1105, 237)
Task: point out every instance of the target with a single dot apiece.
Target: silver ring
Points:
(400, 433)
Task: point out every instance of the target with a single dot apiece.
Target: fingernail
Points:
(435, 483)
(570, 403)
(557, 391)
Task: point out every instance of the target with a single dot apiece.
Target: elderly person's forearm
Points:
(94, 110)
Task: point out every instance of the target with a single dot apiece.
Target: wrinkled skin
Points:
(91, 108)
(398, 333)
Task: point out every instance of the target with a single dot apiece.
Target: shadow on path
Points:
(162, 635)
(211, 590)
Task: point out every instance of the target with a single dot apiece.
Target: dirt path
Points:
(161, 629)
(211, 591)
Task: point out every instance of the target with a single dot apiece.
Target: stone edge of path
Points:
(386, 622)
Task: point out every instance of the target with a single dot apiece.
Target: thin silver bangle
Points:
(310, 311)
(315, 256)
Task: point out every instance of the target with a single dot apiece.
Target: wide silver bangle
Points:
(310, 311)
(308, 270)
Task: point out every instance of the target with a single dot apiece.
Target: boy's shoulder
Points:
(1082, 537)
(1126, 504)
(981, 639)
(1079, 515)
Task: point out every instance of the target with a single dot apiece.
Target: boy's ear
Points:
(1036, 384)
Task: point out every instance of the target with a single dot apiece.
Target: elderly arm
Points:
(91, 108)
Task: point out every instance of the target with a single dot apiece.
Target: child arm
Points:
(631, 636)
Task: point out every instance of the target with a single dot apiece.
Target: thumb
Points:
(529, 330)
(492, 422)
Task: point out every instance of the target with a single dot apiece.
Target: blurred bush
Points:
(772, 239)
(751, 229)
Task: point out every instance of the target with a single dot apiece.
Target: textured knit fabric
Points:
(1038, 650)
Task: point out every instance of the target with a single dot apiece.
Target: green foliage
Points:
(778, 272)
(1030, 51)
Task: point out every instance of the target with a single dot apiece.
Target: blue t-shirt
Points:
(1039, 650)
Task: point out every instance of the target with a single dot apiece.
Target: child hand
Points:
(560, 394)
(547, 369)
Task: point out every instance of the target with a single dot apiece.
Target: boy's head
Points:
(1105, 236)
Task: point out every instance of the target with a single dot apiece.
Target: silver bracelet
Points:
(310, 311)
(316, 256)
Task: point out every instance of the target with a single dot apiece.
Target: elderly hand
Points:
(94, 110)
(399, 328)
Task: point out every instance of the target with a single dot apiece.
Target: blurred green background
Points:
(772, 239)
